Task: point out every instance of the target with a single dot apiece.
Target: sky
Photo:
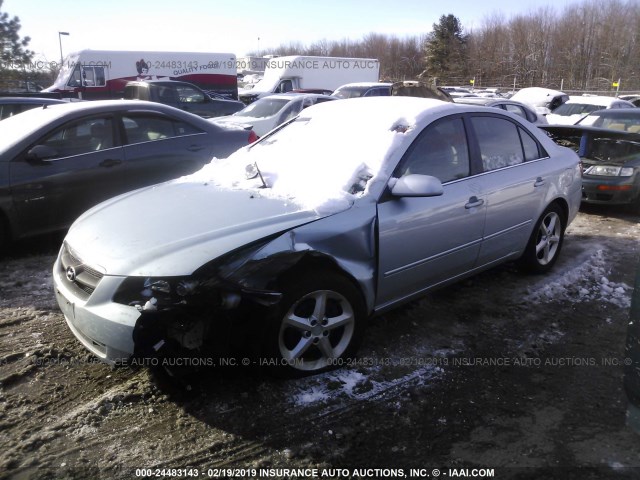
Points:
(238, 27)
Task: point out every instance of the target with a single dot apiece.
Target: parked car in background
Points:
(267, 113)
(351, 209)
(635, 99)
(610, 161)
(416, 88)
(363, 89)
(622, 119)
(509, 105)
(542, 100)
(182, 95)
(295, 72)
(578, 107)
(10, 106)
(57, 162)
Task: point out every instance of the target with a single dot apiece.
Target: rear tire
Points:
(316, 327)
(546, 241)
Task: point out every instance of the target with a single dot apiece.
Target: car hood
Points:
(555, 119)
(176, 227)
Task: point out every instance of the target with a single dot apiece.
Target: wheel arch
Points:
(318, 261)
(564, 208)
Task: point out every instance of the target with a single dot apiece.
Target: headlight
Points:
(136, 291)
(609, 171)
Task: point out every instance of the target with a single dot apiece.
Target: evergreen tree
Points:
(446, 50)
(13, 49)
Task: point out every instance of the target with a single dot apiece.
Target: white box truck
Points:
(311, 74)
(103, 74)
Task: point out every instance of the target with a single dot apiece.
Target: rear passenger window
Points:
(148, 128)
(515, 109)
(530, 146)
(499, 142)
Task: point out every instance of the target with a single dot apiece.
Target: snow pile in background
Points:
(584, 283)
(324, 159)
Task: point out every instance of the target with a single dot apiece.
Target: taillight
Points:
(252, 136)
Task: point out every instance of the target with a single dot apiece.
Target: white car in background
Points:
(363, 89)
(267, 113)
(542, 100)
(578, 107)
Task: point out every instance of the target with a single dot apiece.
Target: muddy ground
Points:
(517, 374)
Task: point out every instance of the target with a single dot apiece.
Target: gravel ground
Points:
(513, 373)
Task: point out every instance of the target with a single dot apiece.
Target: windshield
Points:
(322, 162)
(350, 92)
(625, 123)
(263, 108)
(567, 109)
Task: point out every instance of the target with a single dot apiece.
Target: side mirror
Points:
(41, 152)
(415, 185)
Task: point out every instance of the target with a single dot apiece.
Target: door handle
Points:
(110, 162)
(474, 202)
(195, 148)
(539, 182)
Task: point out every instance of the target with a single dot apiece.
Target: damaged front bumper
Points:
(137, 318)
(105, 328)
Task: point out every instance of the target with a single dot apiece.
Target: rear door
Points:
(159, 147)
(515, 179)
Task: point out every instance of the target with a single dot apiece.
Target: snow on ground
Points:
(357, 384)
(587, 281)
(371, 376)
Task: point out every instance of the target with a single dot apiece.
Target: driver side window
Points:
(440, 151)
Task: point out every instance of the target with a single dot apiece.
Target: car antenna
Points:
(264, 184)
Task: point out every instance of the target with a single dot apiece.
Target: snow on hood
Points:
(326, 158)
(184, 224)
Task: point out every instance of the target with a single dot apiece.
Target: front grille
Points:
(81, 278)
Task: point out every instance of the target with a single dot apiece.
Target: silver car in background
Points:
(287, 247)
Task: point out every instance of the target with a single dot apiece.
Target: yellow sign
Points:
(615, 84)
(472, 81)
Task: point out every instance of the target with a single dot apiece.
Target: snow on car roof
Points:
(591, 100)
(331, 154)
(537, 96)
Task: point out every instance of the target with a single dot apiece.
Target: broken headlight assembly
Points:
(150, 293)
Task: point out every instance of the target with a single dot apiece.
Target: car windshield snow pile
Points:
(322, 161)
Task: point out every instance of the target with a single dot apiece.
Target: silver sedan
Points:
(286, 248)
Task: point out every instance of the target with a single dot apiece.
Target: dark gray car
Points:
(182, 95)
(57, 162)
(10, 106)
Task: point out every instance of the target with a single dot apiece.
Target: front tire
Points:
(317, 325)
(546, 241)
